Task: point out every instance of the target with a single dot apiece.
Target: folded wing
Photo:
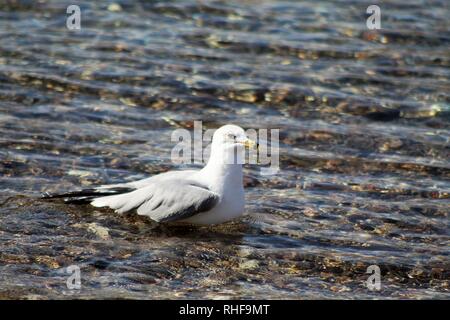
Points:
(164, 201)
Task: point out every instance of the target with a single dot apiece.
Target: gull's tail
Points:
(86, 195)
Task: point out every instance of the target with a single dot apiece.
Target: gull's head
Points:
(229, 142)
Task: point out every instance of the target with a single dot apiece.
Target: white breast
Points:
(230, 187)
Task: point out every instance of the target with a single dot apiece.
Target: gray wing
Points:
(164, 201)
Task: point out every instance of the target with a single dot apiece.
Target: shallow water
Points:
(364, 146)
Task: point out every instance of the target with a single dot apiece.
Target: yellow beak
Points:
(249, 143)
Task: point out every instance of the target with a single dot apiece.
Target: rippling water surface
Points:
(364, 146)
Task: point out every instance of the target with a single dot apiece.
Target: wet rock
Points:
(100, 231)
(387, 115)
(48, 261)
(100, 264)
(249, 265)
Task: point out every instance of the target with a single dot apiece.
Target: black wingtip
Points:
(85, 195)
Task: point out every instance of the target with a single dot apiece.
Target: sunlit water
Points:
(364, 146)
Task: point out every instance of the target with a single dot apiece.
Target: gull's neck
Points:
(221, 173)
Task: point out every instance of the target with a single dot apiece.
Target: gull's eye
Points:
(231, 136)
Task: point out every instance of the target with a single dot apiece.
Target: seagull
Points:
(212, 195)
